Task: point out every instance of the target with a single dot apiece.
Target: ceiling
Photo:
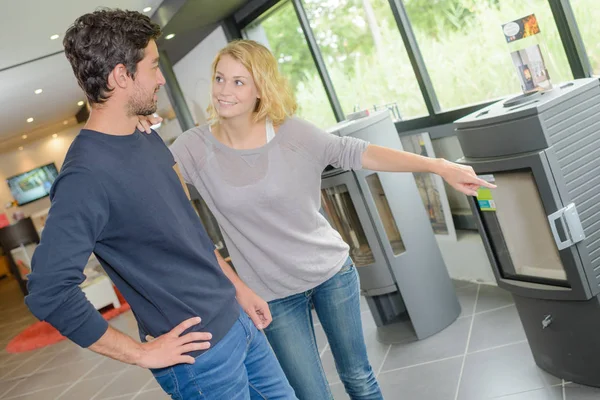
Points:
(31, 61)
(194, 20)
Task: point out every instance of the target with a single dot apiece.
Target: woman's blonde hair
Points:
(276, 99)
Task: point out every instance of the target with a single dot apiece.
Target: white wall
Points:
(194, 74)
(35, 154)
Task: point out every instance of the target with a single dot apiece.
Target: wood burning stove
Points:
(382, 218)
(541, 226)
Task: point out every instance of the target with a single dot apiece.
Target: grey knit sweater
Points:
(267, 202)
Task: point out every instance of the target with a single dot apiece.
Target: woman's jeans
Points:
(292, 337)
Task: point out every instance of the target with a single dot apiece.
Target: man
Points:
(119, 195)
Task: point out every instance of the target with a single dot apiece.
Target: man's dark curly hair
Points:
(97, 42)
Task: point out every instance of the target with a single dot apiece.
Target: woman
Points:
(259, 170)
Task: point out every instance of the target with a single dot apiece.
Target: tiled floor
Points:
(64, 371)
(483, 355)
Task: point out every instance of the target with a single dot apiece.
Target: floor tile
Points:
(109, 366)
(496, 328)
(86, 389)
(549, 393)
(450, 342)
(321, 338)
(329, 367)
(550, 380)
(17, 320)
(500, 372)
(579, 392)
(315, 317)
(44, 394)
(492, 297)
(73, 355)
(123, 397)
(152, 385)
(26, 356)
(63, 345)
(29, 367)
(466, 298)
(339, 392)
(370, 332)
(54, 349)
(9, 332)
(156, 394)
(5, 358)
(397, 333)
(129, 382)
(433, 381)
(364, 306)
(6, 368)
(7, 386)
(127, 324)
(458, 284)
(66, 374)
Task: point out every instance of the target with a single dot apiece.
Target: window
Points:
(280, 31)
(365, 55)
(449, 148)
(428, 185)
(385, 214)
(587, 14)
(339, 207)
(464, 48)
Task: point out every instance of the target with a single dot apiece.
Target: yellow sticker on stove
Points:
(484, 195)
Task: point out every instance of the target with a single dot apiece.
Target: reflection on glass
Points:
(520, 232)
(385, 213)
(445, 30)
(427, 187)
(449, 148)
(342, 214)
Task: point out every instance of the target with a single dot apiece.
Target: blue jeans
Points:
(292, 337)
(241, 366)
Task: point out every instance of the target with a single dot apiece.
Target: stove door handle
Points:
(573, 228)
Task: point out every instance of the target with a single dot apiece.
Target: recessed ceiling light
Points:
(24, 136)
(65, 122)
(147, 9)
(55, 136)
(29, 120)
(54, 37)
(38, 91)
(170, 36)
(81, 103)
(20, 147)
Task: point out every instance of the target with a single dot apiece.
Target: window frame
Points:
(563, 16)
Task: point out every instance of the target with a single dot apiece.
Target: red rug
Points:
(42, 334)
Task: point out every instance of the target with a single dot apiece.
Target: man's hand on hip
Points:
(171, 348)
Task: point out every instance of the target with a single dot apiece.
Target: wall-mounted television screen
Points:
(32, 185)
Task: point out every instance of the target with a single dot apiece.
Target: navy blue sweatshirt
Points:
(120, 198)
